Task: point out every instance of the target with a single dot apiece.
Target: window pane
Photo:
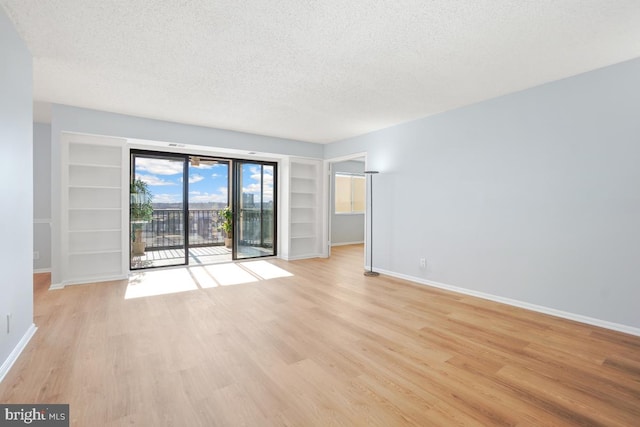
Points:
(358, 193)
(343, 194)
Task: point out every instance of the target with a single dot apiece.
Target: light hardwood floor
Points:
(325, 346)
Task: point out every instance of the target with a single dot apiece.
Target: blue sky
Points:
(207, 183)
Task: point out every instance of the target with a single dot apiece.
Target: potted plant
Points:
(141, 212)
(227, 225)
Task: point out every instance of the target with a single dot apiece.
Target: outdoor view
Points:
(159, 237)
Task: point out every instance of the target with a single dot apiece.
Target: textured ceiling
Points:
(316, 71)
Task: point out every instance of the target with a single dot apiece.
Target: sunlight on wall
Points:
(169, 281)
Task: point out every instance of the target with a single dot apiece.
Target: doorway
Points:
(191, 209)
(346, 201)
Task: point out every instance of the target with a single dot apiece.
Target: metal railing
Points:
(166, 229)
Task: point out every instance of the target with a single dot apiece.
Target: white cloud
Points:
(167, 198)
(159, 166)
(198, 197)
(202, 166)
(195, 178)
(154, 180)
(255, 187)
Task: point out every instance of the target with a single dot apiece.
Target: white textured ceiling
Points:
(316, 71)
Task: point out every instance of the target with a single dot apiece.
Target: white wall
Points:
(42, 195)
(79, 120)
(16, 180)
(346, 228)
(533, 196)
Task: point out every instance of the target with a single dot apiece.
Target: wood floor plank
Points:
(320, 345)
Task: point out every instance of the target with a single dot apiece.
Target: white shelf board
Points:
(95, 165)
(97, 230)
(95, 187)
(94, 209)
(110, 251)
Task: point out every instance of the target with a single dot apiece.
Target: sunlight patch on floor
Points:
(159, 282)
(204, 279)
(230, 274)
(168, 281)
(265, 270)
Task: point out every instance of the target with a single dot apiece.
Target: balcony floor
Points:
(167, 257)
(197, 256)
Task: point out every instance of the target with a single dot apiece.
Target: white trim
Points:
(516, 303)
(89, 280)
(327, 196)
(42, 220)
(347, 243)
(13, 356)
(303, 256)
(41, 270)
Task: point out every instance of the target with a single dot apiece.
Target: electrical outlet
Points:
(423, 263)
(36, 255)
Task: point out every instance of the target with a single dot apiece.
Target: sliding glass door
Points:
(255, 212)
(181, 212)
(208, 197)
(156, 211)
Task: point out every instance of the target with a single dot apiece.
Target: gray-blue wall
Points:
(533, 196)
(42, 196)
(16, 180)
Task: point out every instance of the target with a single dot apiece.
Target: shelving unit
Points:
(302, 211)
(94, 222)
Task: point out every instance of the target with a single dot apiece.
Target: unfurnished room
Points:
(301, 213)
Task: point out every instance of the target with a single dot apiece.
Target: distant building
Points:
(248, 200)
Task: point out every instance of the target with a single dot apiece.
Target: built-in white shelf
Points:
(302, 208)
(94, 224)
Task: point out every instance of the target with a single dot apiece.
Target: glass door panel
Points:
(208, 197)
(255, 212)
(157, 210)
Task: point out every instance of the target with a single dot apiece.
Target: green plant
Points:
(140, 207)
(227, 220)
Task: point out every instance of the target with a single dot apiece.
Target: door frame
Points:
(185, 197)
(233, 201)
(329, 194)
(236, 203)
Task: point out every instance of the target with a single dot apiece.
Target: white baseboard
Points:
(41, 270)
(88, 280)
(516, 303)
(347, 243)
(297, 257)
(13, 356)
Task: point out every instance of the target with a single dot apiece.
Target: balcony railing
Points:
(166, 229)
